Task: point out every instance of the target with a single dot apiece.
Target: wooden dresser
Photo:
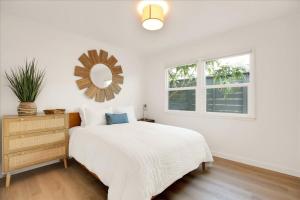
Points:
(31, 140)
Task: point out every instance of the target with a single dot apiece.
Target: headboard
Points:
(74, 119)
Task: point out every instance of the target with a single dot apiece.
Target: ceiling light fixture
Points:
(153, 12)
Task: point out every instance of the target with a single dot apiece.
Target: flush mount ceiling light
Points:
(153, 12)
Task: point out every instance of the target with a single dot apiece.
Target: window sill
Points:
(179, 112)
(230, 115)
(212, 114)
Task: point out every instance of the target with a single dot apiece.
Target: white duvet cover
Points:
(138, 160)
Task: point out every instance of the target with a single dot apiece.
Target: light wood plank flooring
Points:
(224, 180)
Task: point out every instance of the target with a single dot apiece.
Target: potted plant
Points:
(25, 82)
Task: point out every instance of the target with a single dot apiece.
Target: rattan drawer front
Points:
(20, 160)
(22, 125)
(33, 140)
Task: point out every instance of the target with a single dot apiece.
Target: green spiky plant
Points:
(26, 81)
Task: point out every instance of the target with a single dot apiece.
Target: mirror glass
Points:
(101, 75)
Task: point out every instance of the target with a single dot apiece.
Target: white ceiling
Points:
(117, 22)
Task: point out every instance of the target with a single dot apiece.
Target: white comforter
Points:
(138, 160)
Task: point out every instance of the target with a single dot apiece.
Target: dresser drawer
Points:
(27, 124)
(23, 142)
(32, 157)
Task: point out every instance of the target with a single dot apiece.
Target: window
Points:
(227, 83)
(225, 86)
(181, 87)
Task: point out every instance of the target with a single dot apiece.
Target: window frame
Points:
(167, 89)
(200, 89)
(249, 85)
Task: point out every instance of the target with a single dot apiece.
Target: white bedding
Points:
(138, 160)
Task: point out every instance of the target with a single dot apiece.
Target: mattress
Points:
(138, 160)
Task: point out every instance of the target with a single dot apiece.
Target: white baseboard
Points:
(292, 172)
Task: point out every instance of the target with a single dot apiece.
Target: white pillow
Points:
(93, 116)
(129, 110)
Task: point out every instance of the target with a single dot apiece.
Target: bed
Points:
(137, 160)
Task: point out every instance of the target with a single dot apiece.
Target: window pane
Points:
(228, 70)
(182, 76)
(227, 100)
(182, 100)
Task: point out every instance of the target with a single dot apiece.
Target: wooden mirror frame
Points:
(88, 62)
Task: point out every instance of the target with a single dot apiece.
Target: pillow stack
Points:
(129, 110)
(91, 117)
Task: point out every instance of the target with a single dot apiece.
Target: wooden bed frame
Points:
(74, 120)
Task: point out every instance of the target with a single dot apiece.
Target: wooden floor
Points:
(224, 180)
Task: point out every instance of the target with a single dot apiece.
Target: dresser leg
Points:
(65, 163)
(7, 183)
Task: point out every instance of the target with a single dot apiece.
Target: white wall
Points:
(298, 104)
(58, 53)
(271, 140)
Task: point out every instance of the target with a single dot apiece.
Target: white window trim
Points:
(167, 89)
(250, 86)
(200, 90)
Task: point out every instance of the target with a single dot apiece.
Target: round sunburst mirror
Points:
(100, 75)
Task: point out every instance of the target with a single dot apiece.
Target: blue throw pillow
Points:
(116, 118)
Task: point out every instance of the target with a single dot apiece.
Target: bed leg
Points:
(65, 163)
(203, 166)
